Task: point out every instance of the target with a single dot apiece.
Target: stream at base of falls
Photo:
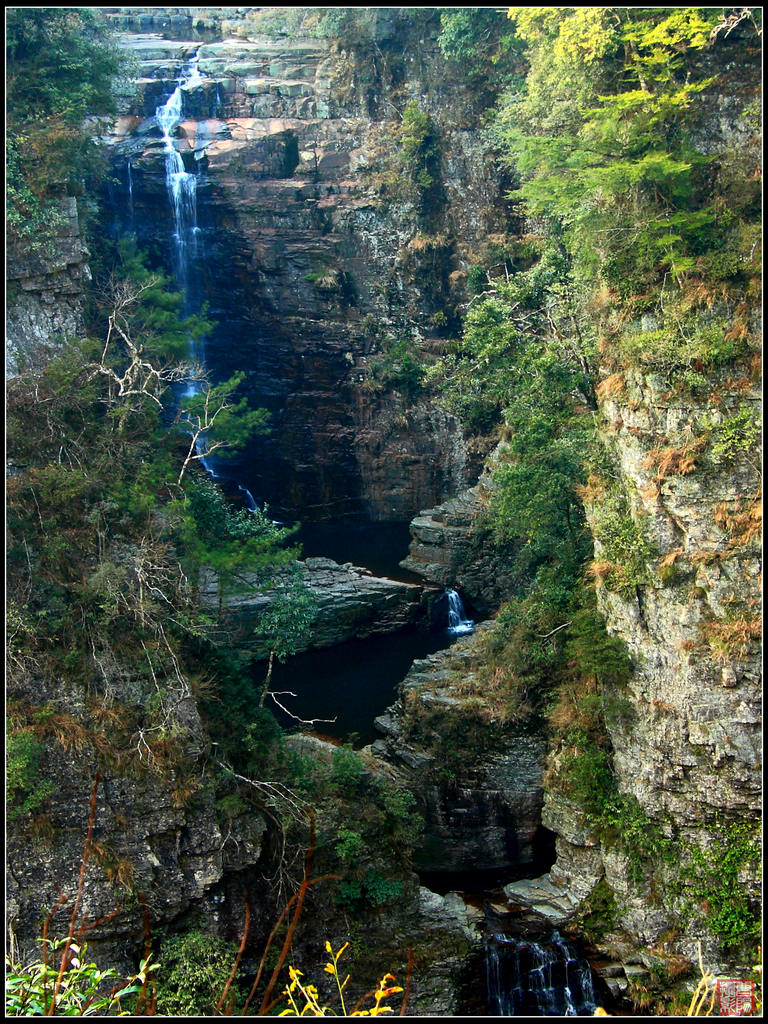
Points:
(527, 968)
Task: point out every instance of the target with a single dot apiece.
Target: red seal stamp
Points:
(735, 998)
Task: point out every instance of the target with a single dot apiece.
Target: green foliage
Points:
(478, 41)
(625, 555)
(216, 421)
(288, 619)
(623, 821)
(61, 65)
(372, 889)
(227, 539)
(398, 368)
(736, 436)
(105, 549)
(593, 651)
(347, 770)
(350, 845)
(599, 913)
(714, 877)
(602, 137)
(680, 343)
(26, 788)
(372, 827)
(595, 153)
(354, 25)
(195, 970)
(420, 149)
(85, 990)
(585, 773)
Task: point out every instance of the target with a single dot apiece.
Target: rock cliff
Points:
(311, 254)
(350, 601)
(480, 782)
(46, 286)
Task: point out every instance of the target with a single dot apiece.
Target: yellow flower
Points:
(329, 969)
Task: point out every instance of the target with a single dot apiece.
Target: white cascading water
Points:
(131, 217)
(458, 623)
(181, 185)
(182, 193)
(526, 979)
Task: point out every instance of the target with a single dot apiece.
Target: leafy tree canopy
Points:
(62, 65)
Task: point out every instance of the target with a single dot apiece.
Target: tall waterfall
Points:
(458, 623)
(181, 184)
(529, 979)
(182, 194)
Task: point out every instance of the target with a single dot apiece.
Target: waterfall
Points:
(458, 623)
(131, 216)
(529, 979)
(182, 194)
(181, 185)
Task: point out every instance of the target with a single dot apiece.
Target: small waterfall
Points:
(458, 623)
(529, 979)
(131, 216)
(248, 497)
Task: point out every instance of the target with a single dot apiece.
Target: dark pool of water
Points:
(378, 546)
(350, 683)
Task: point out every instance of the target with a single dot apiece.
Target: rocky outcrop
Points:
(481, 786)
(158, 841)
(46, 285)
(687, 742)
(351, 603)
(450, 547)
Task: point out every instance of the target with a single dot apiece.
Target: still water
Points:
(350, 683)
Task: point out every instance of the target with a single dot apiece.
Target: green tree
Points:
(478, 41)
(62, 65)
(285, 624)
(602, 138)
(243, 547)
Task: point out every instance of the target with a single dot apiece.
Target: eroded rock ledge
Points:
(352, 603)
(482, 809)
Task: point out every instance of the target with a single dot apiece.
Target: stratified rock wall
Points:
(46, 284)
(351, 603)
(311, 254)
(481, 785)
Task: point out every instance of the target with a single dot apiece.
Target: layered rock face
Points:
(46, 287)
(310, 253)
(694, 631)
(687, 744)
(483, 814)
(351, 603)
(156, 830)
(448, 547)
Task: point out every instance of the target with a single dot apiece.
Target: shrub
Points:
(195, 970)
(83, 990)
